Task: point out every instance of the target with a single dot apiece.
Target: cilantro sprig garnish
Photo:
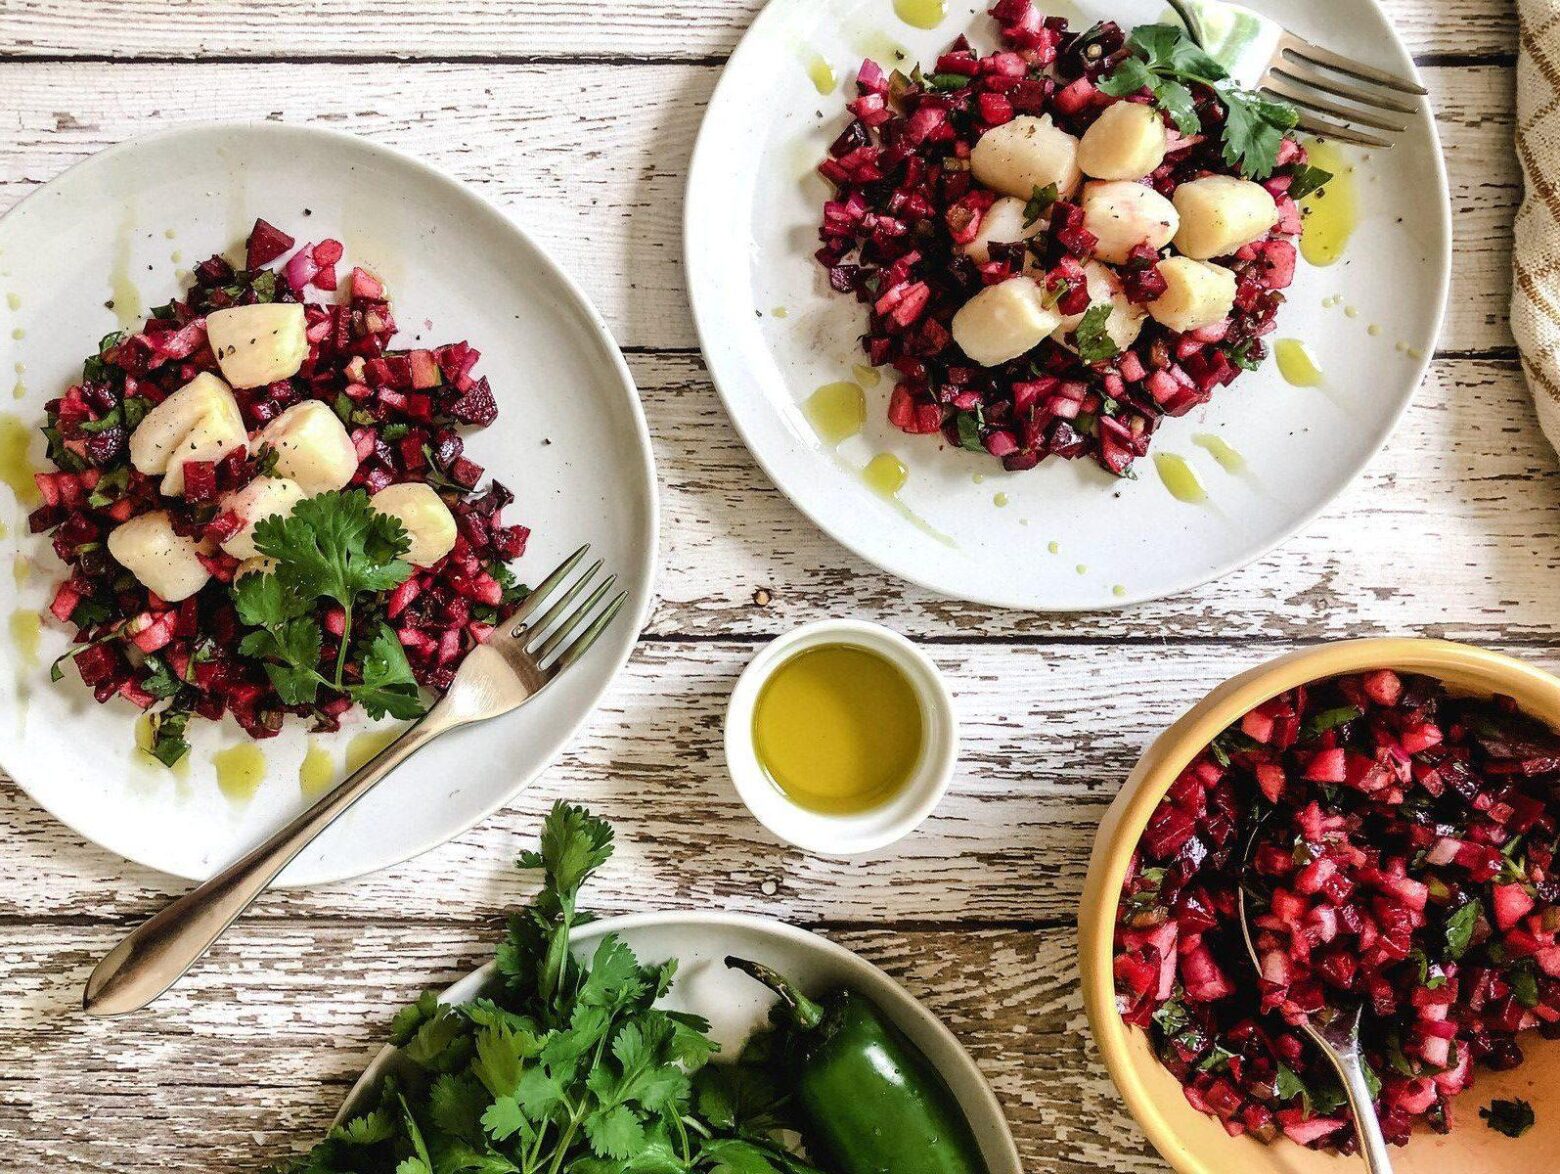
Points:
(1167, 62)
(333, 547)
(566, 1064)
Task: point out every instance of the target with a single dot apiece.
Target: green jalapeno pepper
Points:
(868, 1101)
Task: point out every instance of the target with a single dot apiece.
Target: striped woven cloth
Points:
(1535, 300)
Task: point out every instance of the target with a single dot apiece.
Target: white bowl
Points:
(866, 831)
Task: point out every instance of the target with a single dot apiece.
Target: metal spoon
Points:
(1336, 1032)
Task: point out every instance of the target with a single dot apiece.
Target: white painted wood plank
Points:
(529, 28)
(247, 1061)
(1451, 531)
(1049, 733)
(592, 159)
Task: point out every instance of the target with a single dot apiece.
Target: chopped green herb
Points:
(1039, 204)
(1306, 180)
(1167, 62)
(1459, 928)
(1095, 345)
(1513, 1118)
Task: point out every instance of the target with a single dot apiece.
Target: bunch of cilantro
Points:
(335, 548)
(1167, 62)
(567, 1067)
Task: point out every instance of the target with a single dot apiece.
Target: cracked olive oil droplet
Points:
(838, 729)
(1332, 212)
(1295, 363)
(1179, 478)
(921, 14)
(836, 411)
(240, 771)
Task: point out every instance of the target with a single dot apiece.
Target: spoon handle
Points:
(1350, 1069)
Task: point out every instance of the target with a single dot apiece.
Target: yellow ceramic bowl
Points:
(1197, 1144)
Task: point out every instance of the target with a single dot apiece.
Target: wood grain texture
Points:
(578, 118)
(1450, 532)
(249, 1059)
(1048, 735)
(600, 182)
(529, 28)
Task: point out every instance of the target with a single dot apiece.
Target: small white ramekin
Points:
(867, 831)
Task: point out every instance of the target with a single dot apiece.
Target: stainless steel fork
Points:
(1315, 80)
(516, 663)
(1335, 1030)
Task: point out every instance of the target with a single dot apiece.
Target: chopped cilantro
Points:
(1513, 1118)
(1039, 204)
(1095, 345)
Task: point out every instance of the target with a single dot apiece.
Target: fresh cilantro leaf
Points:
(388, 685)
(1287, 1085)
(504, 1118)
(1039, 204)
(1095, 345)
(335, 546)
(456, 1104)
(969, 432)
(1513, 1117)
(1329, 719)
(263, 602)
(1132, 75)
(1254, 129)
(368, 1129)
(1306, 180)
(1167, 62)
(615, 1133)
(1459, 928)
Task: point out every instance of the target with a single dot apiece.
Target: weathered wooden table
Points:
(579, 117)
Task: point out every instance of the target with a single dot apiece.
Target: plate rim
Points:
(701, 161)
(590, 316)
(765, 926)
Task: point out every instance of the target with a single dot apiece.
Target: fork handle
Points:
(1350, 1069)
(157, 953)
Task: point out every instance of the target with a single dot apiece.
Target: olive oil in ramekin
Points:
(838, 729)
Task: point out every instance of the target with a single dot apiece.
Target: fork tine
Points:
(1333, 130)
(1299, 95)
(545, 588)
(589, 636)
(1376, 99)
(572, 621)
(557, 610)
(1316, 55)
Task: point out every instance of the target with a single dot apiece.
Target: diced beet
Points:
(266, 243)
(1413, 911)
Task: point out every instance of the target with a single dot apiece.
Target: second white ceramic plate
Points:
(570, 442)
(1065, 536)
(736, 1006)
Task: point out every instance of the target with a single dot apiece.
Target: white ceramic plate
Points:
(752, 213)
(736, 1006)
(570, 441)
